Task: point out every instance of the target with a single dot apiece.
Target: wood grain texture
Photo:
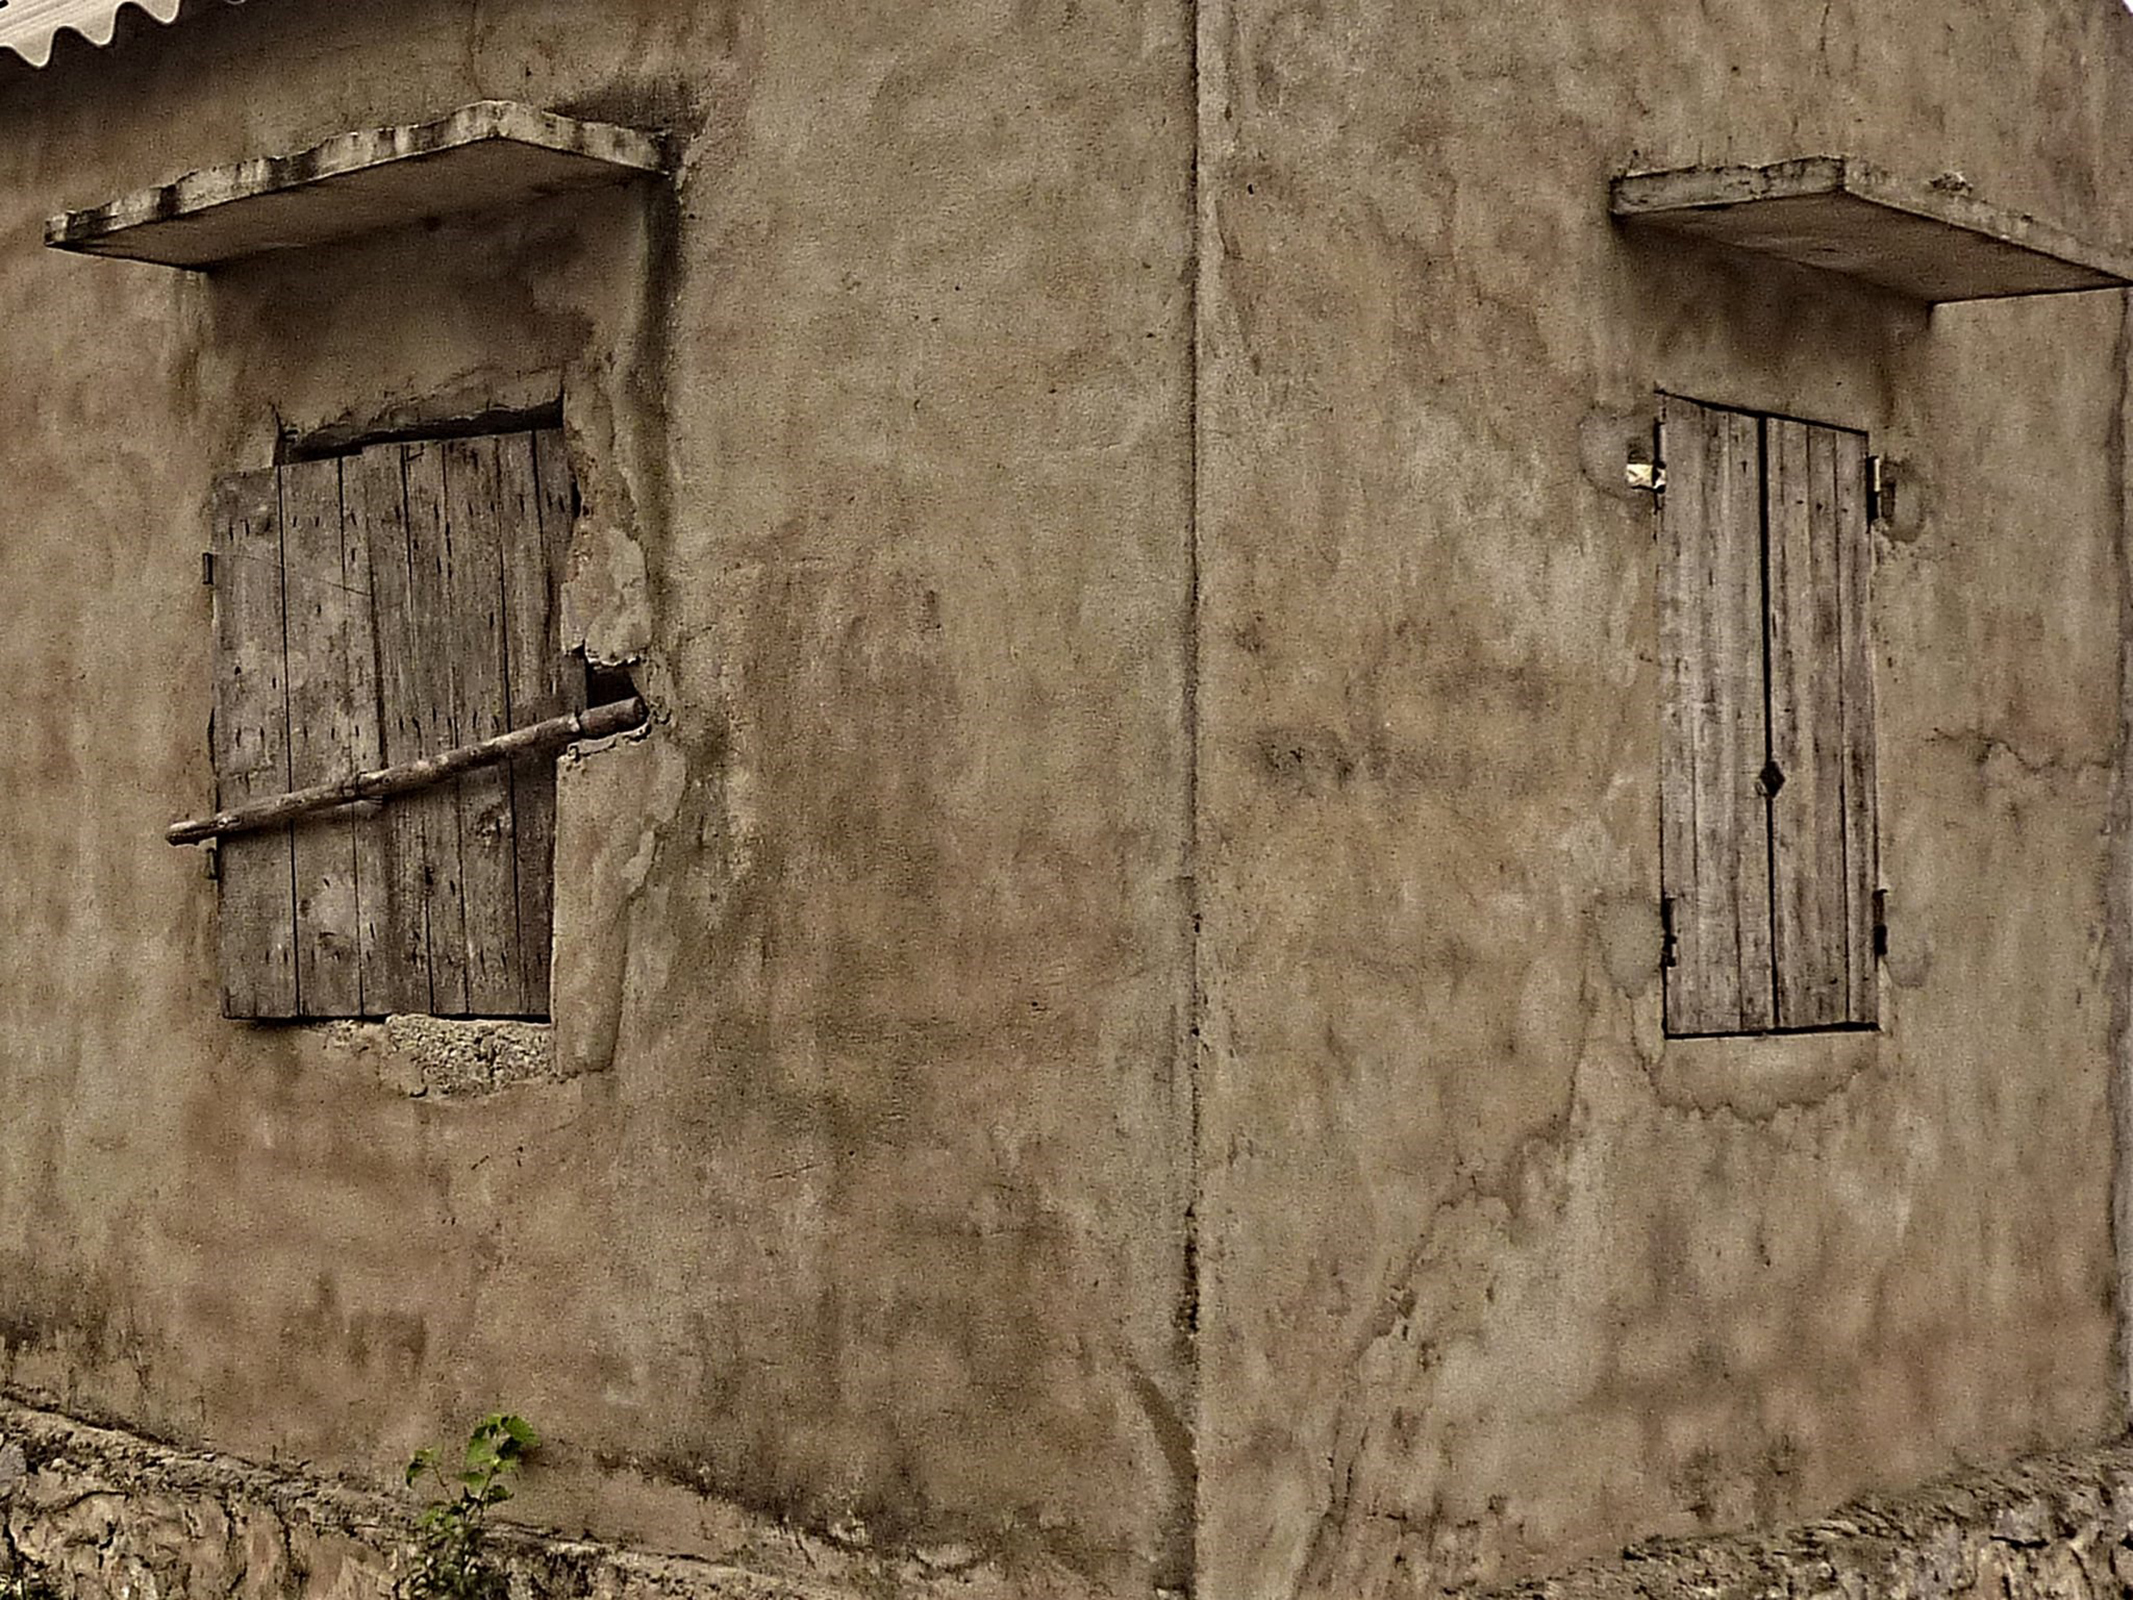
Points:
(433, 643)
(1806, 728)
(379, 610)
(531, 531)
(1862, 867)
(332, 730)
(1714, 834)
(488, 843)
(396, 955)
(257, 919)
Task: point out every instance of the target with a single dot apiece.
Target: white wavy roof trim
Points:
(28, 27)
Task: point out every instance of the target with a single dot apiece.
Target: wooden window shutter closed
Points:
(1766, 771)
(371, 610)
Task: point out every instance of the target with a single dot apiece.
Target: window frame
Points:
(1769, 847)
(401, 599)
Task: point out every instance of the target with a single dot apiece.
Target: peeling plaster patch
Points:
(607, 602)
(1630, 938)
(1758, 1077)
(450, 1057)
(609, 813)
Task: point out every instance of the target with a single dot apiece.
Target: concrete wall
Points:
(1068, 475)
(1495, 1274)
(856, 1191)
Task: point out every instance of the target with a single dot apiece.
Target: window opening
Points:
(378, 610)
(1767, 841)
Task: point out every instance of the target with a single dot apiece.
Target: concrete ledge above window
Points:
(489, 154)
(1934, 241)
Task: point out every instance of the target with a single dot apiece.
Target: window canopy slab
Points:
(1933, 241)
(492, 153)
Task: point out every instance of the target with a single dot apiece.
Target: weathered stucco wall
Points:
(855, 1192)
(1027, 570)
(1494, 1273)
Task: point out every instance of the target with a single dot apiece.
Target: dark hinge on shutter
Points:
(207, 568)
(1880, 490)
(1667, 942)
(1881, 923)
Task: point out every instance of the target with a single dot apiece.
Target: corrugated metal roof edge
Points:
(31, 37)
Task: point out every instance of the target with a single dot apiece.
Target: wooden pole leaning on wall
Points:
(596, 723)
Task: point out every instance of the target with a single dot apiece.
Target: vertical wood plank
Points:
(488, 846)
(1686, 447)
(533, 492)
(1714, 831)
(396, 956)
(332, 731)
(257, 912)
(1806, 728)
(1738, 836)
(434, 643)
(1862, 870)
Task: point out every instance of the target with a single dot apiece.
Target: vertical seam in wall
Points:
(1195, 1033)
(2118, 864)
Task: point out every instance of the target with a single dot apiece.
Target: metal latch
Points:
(1649, 476)
(1668, 945)
(1880, 489)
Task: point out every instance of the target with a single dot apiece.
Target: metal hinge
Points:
(1880, 489)
(1649, 476)
(1668, 945)
(207, 568)
(1881, 923)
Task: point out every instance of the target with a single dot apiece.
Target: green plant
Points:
(451, 1559)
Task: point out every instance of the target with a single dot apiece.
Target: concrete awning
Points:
(28, 27)
(491, 153)
(1934, 241)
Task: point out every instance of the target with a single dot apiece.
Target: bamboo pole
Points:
(596, 723)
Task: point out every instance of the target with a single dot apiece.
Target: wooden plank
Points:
(432, 700)
(1806, 728)
(488, 845)
(395, 951)
(1714, 832)
(1737, 833)
(257, 917)
(1862, 869)
(558, 490)
(332, 730)
(533, 523)
(1686, 447)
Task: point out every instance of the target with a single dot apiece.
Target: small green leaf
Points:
(521, 1432)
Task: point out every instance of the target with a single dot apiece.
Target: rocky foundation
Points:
(2053, 1526)
(91, 1513)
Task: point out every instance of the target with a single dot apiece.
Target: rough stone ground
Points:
(97, 1514)
(2054, 1527)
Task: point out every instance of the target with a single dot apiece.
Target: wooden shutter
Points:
(1714, 839)
(372, 610)
(1767, 767)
